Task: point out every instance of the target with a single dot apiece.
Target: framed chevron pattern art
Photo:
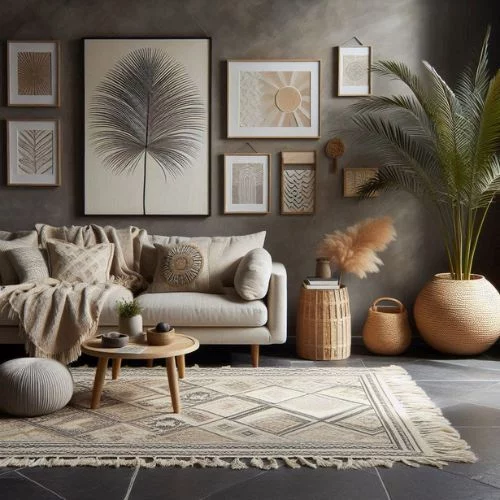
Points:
(298, 182)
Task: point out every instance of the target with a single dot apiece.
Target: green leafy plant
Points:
(128, 308)
(440, 145)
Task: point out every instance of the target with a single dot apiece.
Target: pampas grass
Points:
(355, 250)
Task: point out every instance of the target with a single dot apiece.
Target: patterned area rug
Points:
(233, 417)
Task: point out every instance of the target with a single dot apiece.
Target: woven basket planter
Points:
(386, 329)
(458, 316)
(324, 324)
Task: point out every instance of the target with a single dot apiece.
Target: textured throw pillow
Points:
(9, 241)
(71, 263)
(29, 264)
(181, 268)
(253, 274)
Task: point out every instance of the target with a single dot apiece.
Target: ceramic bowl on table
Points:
(114, 339)
(155, 337)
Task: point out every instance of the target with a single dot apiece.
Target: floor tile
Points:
(15, 487)
(429, 483)
(188, 484)
(82, 483)
(489, 396)
(310, 484)
(470, 415)
(445, 394)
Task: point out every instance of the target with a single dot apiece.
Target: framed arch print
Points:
(273, 99)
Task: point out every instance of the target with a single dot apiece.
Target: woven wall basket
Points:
(458, 316)
(324, 324)
(386, 329)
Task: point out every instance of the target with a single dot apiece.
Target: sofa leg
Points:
(255, 355)
(149, 363)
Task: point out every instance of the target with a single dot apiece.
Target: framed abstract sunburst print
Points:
(247, 183)
(147, 126)
(273, 99)
(354, 75)
(33, 73)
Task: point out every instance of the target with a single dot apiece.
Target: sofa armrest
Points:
(277, 304)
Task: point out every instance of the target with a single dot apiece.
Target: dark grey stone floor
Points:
(467, 390)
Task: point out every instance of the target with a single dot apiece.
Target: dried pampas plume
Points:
(354, 251)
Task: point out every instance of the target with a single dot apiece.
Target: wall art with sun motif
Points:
(273, 99)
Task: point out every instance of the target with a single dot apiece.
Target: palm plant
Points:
(147, 107)
(440, 145)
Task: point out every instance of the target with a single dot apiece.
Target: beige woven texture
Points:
(324, 324)
(458, 317)
(386, 329)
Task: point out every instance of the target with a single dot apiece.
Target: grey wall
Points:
(441, 31)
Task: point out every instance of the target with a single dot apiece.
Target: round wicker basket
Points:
(324, 324)
(386, 329)
(458, 316)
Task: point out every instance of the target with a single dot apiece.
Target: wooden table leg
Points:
(149, 363)
(181, 365)
(173, 384)
(100, 375)
(117, 363)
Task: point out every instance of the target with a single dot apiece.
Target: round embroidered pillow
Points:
(34, 386)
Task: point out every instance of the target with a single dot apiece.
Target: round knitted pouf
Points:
(34, 386)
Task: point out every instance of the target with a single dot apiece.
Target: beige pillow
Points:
(29, 264)
(9, 241)
(71, 263)
(253, 274)
(181, 268)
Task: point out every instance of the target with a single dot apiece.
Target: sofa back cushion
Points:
(224, 254)
(72, 263)
(9, 241)
(29, 264)
(253, 274)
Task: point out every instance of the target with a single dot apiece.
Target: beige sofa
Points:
(221, 318)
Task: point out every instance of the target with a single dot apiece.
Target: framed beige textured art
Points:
(33, 153)
(247, 183)
(147, 126)
(355, 177)
(298, 182)
(33, 73)
(354, 75)
(273, 99)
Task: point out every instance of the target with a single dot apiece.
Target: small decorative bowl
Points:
(160, 338)
(114, 339)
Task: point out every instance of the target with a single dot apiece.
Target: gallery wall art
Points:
(298, 182)
(247, 183)
(354, 75)
(273, 99)
(33, 153)
(33, 73)
(147, 126)
(355, 177)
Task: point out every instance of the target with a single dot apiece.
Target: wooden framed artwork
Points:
(33, 153)
(273, 99)
(247, 183)
(33, 73)
(298, 182)
(147, 126)
(354, 75)
(356, 177)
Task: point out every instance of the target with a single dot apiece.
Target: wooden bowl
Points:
(114, 339)
(160, 338)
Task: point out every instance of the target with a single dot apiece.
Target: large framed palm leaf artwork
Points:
(147, 126)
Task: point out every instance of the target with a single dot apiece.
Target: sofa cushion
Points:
(8, 241)
(224, 254)
(202, 309)
(71, 263)
(29, 264)
(253, 274)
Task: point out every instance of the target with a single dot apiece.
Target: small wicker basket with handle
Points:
(386, 329)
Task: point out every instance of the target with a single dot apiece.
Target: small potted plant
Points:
(129, 317)
(161, 334)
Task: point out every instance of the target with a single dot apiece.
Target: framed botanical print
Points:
(354, 71)
(355, 177)
(147, 126)
(33, 153)
(33, 73)
(298, 182)
(273, 99)
(247, 183)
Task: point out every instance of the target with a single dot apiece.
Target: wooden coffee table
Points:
(175, 351)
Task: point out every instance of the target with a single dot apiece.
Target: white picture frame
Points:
(33, 153)
(354, 71)
(247, 184)
(273, 99)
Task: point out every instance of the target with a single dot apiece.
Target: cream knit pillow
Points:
(29, 264)
(253, 274)
(9, 241)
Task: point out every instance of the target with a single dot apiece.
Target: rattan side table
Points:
(324, 324)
